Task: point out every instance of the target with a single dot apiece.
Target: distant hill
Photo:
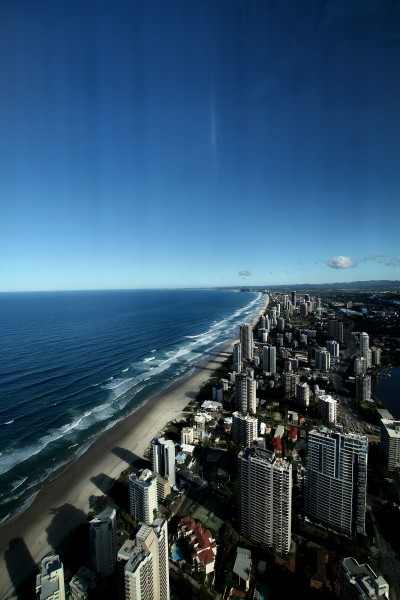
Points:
(360, 285)
(380, 284)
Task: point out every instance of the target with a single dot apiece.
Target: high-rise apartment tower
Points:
(336, 479)
(265, 498)
(103, 542)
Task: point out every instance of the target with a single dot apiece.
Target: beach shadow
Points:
(21, 568)
(65, 521)
(132, 459)
(116, 490)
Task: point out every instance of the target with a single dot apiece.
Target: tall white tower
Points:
(322, 359)
(50, 582)
(245, 393)
(143, 495)
(336, 479)
(327, 408)
(244, 428)
(163, 458)
(143, 564)
(103, 542)
(363, 387)
(265, 498)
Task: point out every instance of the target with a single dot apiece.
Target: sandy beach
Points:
(64, 504)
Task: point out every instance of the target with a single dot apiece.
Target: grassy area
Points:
(210, 513)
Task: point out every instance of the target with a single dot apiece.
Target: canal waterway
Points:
(387, 390)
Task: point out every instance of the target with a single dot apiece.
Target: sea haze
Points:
(73, 364)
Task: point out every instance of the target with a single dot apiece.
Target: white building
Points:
(143, 499)
(360, 365)
(265, 498)
(103, 542)
(336, 479)
(244, 428)
(375, 356)
(245, 394)
(246, 341)
(187, 435)
(322, 359)
(242, 567)
(50, 583)
(390, 442)
(363, 387)
(143, 569)
(359, 582)
(163, 458)
(327, 408)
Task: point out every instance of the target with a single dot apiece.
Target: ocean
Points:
(73, 364)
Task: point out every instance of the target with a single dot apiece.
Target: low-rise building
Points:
(242, 567)
(200, 544)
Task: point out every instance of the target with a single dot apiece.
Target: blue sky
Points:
(196, 143)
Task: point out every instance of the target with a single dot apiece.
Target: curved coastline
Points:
(64, 503)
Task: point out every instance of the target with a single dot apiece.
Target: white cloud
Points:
(341, 262)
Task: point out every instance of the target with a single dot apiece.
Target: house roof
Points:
(242, 566)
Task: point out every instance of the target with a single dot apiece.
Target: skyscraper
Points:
(390, 442)
(327, 408)
(163, 458)
(294, 299)
(336, 479)
(245, 394)
(359, 582)
(237, 358)
(103, 542)
(246, 340)
(50, 583)
(143, 564)
(269, 359)
(333, 348)
(363, 387)
(335, 330)
(265, 498)
(289, 384)
(303, 394)
(322, 359)
(143, 495)
(244, 428)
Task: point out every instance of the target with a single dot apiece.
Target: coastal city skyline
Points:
(198, 144)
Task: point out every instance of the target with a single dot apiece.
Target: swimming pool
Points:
(177, 554)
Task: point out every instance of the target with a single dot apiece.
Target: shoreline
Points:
(62, 505)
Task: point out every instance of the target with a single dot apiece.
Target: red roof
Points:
(277, 444)
(205, 556)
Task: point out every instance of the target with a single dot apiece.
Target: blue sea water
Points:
(73, 364)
